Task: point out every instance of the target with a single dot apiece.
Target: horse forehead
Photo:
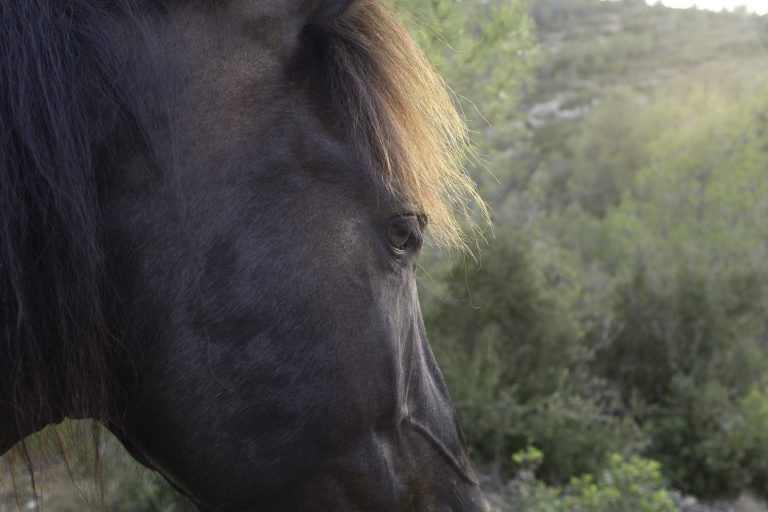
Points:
(302, 11)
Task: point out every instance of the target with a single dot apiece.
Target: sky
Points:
(758, 6)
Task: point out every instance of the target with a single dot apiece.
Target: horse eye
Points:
(400, 232)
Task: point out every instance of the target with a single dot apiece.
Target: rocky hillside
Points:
(592, 46)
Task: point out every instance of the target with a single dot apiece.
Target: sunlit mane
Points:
(400, 114)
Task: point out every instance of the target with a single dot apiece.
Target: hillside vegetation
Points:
(621, 305)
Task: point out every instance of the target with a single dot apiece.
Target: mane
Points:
(399, 113)
(55, 100)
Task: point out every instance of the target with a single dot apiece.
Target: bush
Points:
(684, 359)
(513, 356)
(699, 438)
(634, 484)
(673, 321)
(712, 444)
(577, 433)
(753, 409)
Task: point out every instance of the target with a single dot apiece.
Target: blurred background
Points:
(607, 350)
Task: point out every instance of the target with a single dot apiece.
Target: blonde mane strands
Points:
(401, 117)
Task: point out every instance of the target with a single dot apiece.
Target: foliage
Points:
(624, 299)
(634, 484)
(514, 356)
(699, 430)
(753, 430)
(686, 244)
(458, 37)
(710, 441)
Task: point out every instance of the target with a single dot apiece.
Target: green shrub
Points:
(753, 409)
(685, 356)
(577, 433)
(713, 444)
(698, 438)
(514, 359)
(635, 484)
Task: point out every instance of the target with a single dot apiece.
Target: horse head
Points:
(261, 180)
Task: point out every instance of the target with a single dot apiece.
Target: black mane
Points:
(57, 96)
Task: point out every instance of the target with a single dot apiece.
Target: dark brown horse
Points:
(210, 212)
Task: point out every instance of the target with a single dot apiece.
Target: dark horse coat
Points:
(210, 212)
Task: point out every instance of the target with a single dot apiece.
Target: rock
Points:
(748, 502)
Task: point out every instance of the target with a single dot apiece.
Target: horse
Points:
(210, 217)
